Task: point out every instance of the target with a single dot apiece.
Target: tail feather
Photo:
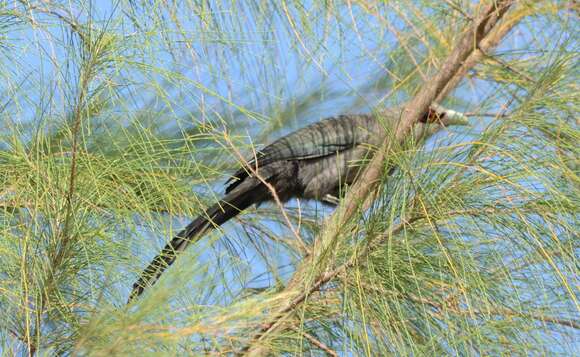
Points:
(227, 208)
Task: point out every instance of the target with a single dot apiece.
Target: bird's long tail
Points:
(228, 207)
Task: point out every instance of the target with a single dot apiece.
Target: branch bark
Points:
(305, 280)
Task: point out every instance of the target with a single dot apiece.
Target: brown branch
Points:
(305, 281)
(486, 44)
(430, 92)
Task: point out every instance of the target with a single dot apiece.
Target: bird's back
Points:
(313, 143)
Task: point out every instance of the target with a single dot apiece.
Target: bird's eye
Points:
(425, 117)
(434, 116)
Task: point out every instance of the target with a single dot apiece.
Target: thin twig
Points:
(64, 235)
(487, 115)
(316, 342)
(508, 66)
(26, 340)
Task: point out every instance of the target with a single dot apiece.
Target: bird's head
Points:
(437, 118)
(439, 115)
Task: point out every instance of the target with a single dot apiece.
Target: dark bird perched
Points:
(315, 162)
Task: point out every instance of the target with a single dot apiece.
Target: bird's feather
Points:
(324, 138)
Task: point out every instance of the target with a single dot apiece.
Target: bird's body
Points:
(315, 162)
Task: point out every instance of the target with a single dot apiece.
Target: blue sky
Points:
(248, 70)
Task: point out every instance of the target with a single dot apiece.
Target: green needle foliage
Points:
(119, 121)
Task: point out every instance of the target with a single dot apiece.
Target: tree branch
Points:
(305, 280)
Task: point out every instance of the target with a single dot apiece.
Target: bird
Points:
(316, 162)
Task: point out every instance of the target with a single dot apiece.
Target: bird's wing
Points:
(323, 138)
